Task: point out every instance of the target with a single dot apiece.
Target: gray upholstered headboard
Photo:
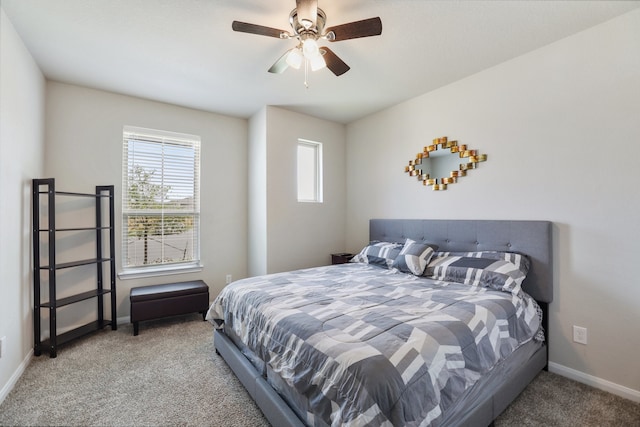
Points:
(532, 238)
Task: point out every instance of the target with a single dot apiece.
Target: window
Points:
(160, 202)
(309, 171)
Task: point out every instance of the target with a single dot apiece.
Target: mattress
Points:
(355, 344)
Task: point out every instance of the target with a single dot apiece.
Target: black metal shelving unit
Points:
(46, 188)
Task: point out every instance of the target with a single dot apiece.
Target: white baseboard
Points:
(599, 383)
(15, 377)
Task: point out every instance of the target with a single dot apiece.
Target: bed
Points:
(442, 322)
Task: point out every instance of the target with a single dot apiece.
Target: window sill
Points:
(158, 271)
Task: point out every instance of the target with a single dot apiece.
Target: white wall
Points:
(84, 149)
(257, 203)
(21, 145)
(561, 127)
(302, 235)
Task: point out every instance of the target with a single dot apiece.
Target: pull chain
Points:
(306, 73)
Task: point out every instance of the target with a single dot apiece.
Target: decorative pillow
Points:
(413, 257)
(379, 253)
(503, 271)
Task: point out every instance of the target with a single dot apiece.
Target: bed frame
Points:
(532, 238)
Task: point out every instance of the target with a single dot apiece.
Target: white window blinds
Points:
(160, 199)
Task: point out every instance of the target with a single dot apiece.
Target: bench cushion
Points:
(168, 290)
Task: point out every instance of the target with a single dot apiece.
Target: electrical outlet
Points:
(2, 344)
(228, 279)
(579, 334)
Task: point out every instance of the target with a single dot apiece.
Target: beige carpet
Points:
(170, 375)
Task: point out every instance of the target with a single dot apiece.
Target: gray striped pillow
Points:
(379, 253)
(413, 258)
(503, 271)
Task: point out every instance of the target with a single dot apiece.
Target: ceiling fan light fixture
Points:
(310, 48)
(295, 58)
(317, 62)
(307, 22)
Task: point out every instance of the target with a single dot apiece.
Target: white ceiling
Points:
(184, 52)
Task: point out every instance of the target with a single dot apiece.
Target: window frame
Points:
(318, 171)
(164, 138)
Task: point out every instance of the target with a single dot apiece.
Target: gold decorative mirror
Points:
(438, 165)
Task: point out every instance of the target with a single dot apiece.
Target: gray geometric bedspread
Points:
(369, 346)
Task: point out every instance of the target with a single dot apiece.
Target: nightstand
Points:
(341, 258)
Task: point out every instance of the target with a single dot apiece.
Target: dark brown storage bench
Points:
(169, 299)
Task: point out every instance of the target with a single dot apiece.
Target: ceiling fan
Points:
(307, 21)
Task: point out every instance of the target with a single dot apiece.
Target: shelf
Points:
(76, 263)
(87, 329)
(75, 229)
(77, 298)
(68, 193)
(103, 292)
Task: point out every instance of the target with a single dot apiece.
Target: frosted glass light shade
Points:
(294, 58)
(317, 62)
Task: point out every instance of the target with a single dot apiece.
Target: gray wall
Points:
(257, 176)
(303, 234)
(561, 129)
(287, 234)
(21, 146)
(84, 149)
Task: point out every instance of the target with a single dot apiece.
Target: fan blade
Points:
(353, 30)
(335, 64)
(307, 12)
(281, 64)
(245, 27)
